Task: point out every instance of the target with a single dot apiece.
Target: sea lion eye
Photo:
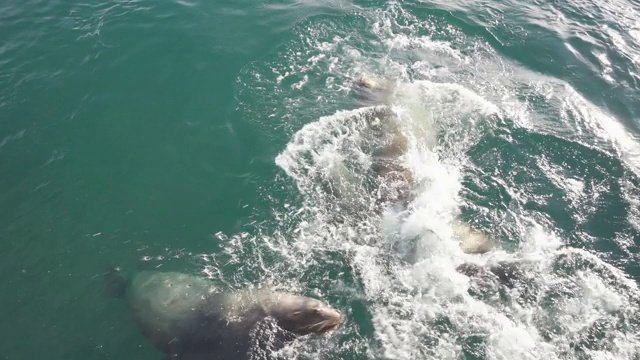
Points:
(317, 311)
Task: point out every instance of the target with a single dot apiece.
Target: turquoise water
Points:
(195, 136)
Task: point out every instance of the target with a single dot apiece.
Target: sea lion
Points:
(394, 181)
(186, 318)
(472, 240)
(508, 278)
(508, 274)
(369, 83)
(372, 91)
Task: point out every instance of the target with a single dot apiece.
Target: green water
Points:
(137, 130)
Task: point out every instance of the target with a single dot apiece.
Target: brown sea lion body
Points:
(187, 318)
(393, 179)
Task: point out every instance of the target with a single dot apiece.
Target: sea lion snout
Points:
(319, 318)
(332, 317)
(302, 315)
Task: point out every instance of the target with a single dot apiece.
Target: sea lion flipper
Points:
(116, 283)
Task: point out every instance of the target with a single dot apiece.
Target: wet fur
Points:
(187, 319)
(394, 182)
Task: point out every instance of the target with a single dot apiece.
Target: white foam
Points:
(318, 146)
(450, 95)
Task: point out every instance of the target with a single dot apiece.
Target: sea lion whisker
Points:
(306, 327)
(311, 326)
(317, 326)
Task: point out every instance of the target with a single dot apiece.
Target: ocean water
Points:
(200, 137)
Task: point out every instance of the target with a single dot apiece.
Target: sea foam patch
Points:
(491, 144)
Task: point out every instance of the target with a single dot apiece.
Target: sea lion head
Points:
(372, 91)
(303, 315)
(369, 83)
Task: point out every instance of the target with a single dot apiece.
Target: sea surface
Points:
(208, 137)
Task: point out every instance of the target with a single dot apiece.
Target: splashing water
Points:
(520, 155)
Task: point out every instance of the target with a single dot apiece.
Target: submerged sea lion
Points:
(186, 318)
(472, 240)
(508, 274)
(394, 180)
(509, 278)
(372, 91)
(369, 83)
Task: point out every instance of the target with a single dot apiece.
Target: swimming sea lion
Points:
(372, 91)
(369, 83)
(472, 240)
(508, 278)
(508, 274)
(186, 318)
(394, 180)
